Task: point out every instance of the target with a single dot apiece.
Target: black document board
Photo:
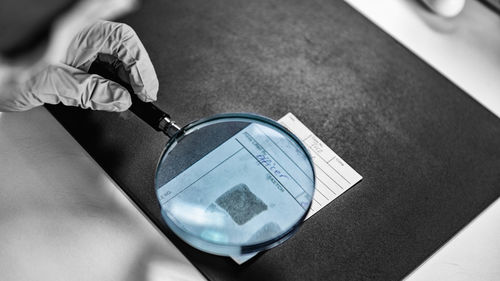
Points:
(429, 154)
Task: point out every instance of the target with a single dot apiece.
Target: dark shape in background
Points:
(26, 24)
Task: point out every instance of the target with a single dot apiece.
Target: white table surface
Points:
(63, 218)
(465, 49)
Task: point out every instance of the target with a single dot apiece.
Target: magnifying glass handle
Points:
(147, 111)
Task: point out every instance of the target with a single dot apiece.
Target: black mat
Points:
(429, 154)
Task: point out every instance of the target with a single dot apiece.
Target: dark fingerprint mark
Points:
(241, 204)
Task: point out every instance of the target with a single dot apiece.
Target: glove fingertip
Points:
(144, 80)
(146, 98)
(110, 96)
(121, 102)
(121, 106)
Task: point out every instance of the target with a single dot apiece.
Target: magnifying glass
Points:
(230, 184)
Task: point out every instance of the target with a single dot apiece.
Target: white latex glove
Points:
(67, 80)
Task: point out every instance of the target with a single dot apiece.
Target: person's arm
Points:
(60, 76)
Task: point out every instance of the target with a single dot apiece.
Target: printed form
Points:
(333, 175)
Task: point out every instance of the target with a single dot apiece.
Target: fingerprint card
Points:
(333, 175)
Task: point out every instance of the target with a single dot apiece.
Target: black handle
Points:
(147, 111)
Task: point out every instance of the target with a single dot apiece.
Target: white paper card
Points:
(333, 175)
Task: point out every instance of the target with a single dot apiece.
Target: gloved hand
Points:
(69, 83)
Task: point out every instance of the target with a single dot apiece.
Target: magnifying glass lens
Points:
(234, 184)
